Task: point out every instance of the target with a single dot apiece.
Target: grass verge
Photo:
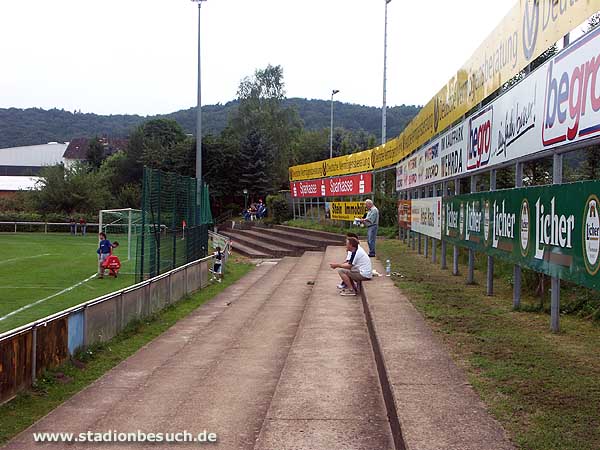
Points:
(60, 384)
(334, 227)
(544, 388)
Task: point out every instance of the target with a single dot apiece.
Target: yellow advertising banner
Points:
(527, 31)
(347, 211)
(389, 153)
(531, 27)
(308, 171)
(349, 164)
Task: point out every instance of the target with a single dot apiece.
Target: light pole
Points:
(384, 112)
(245, 191)
(199, 107)
(335, 91)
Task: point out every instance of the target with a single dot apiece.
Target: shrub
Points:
(278, 208)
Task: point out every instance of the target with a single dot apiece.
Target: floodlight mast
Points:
(199, 106)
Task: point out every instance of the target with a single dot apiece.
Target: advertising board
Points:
(347, 211)
(550, 229)
(425, 216)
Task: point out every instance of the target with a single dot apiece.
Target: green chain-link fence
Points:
(175, 220)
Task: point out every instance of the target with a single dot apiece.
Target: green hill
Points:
(35, 125)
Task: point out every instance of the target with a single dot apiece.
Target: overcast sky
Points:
(134, 56)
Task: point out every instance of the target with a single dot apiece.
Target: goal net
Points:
(122, 225)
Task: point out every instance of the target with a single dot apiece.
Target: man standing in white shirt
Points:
(358, 268)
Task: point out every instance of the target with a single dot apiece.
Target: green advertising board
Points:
(550, 229)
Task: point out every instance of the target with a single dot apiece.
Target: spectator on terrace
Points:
(357, 268)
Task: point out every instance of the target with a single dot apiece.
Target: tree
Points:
(155, 143)
(260, 108)
(69, 189)
(254, 152)
(95, 153)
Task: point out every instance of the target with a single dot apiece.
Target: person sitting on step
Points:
(359, 269)
(342, 285)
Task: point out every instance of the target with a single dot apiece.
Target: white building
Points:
(29, 160)
(19, 166)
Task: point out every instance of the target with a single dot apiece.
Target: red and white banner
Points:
(333, 187)
(308, 188)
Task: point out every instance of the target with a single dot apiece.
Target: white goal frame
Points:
(129, 212)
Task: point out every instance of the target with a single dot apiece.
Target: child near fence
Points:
(217, 270)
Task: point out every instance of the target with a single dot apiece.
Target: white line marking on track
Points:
(25, 257)
(23, 308)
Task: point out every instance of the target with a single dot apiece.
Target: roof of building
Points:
(77, 149)
(33, 155)
(18, 183)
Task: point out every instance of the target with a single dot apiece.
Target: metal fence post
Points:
(419, 237)
(455, 247)
(517, 268)
(444, 244)
(557, 174)
(471, 267)
(490, 259)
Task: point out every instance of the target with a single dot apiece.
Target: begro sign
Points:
(558, 104)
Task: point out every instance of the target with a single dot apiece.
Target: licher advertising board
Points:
(551, 229)
(558, 104)
(333, 187)
(347, 211)
(426, 216)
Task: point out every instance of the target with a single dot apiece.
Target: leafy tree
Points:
(95, 153)
(260, 108)
(69, 189)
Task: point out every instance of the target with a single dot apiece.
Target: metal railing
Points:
(13, 225)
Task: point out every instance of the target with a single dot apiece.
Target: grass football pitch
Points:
(41, 274)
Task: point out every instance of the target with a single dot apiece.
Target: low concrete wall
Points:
(29, 350)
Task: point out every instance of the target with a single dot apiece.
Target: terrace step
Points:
(254, 247)
(297, 234)
(335, 237)
(265, 236)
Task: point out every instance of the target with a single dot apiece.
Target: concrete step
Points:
(335, 237)
(265, 236)
(171, 382)
(434, 402)
(320, 242)
(328, 396)
(251, 244)
(248, 251)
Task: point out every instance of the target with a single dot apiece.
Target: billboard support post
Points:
(471, 268)
(516, 267)
(490, 259)
(455, 248)
(557, 169)
(444, 244)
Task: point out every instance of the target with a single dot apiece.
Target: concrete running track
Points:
(280, 361)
